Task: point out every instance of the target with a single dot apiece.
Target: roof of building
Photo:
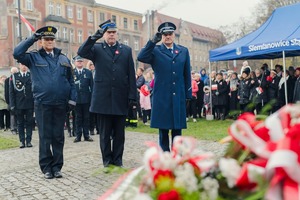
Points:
(197, 31)
(55, 18)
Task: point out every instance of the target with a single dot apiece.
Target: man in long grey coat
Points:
(172, 84)
(114, 89)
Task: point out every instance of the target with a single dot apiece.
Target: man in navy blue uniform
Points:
(53, 91)
(114, 89)
(21, 104)
(171, 65)
(84, 86)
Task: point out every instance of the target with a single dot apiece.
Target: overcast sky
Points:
(210, 13)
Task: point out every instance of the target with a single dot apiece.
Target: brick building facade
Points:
(74, 19)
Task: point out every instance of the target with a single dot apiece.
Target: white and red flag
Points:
(27, 23)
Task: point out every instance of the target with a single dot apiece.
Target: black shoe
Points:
(58, 174)
(22, 144)
(29, 144)
(89, 139)
(48, 175)
(77, 140)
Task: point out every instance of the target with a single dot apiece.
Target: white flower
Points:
(210, 187)
(185, 177)
(142, 196)
(230, 169)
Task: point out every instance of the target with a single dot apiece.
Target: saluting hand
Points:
(99, 34)
(37, 36)
(157, 37)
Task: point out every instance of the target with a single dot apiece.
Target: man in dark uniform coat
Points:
(21, 104)
(114, 89)
(53, 90)
(84, 85)
(171, 65)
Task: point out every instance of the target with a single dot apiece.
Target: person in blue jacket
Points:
(114, 89)
(53, 91)
(171, 65)
(84, 86)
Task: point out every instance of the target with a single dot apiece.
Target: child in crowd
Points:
(145, 103)
(206, 101)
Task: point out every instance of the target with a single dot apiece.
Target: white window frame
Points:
(70, 12)
(135, 25)
(65, 33)
(58, 33)
(101, 14)
(90, 16)
(125, 22)
(29, 5)
(79, 36)
(136, 45)
(79, 13)
(51, 8)
(58, 9)
(126, 41)
(71, 35)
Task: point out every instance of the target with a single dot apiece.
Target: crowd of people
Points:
(233, 93)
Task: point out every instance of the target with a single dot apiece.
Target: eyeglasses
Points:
(167, 33)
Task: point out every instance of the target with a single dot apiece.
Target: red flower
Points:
(163, 173)
(172, 194)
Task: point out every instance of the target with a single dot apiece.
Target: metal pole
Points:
(284, 74)
(19, 21)
(148, 24)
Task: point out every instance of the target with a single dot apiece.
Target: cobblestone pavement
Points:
(83, 178)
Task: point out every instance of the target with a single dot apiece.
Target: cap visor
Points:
(49, 36)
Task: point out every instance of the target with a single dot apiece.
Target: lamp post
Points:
(19, 20)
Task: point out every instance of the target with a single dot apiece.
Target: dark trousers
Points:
(82, 120)
(164, 138)
(4, 119)
(93, 122)
(25, 121)
(111, 127)
(194, 107)
(146, 115)
(199, 106)
(50, 121)
(70, 122)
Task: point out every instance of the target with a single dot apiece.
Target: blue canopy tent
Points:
(278, 37)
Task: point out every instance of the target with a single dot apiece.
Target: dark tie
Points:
(80, 73)
(171, 50)
(50, 54)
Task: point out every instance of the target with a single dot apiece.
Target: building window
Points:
(90, 16)
(65, 33)
(191, 57)
(79, 13)
(58, 9)
(135, 22)
(58, 33)
(71, 35)
(126, 42)
(136, 45)
(15, 3)
(102, 17)
(17, 34)
(114, 18)
(51, 8)
(125, 23)
(70, 12)
(29, 5)
(79, 37)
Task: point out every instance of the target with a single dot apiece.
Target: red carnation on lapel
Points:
(117, 52)
(176, 51)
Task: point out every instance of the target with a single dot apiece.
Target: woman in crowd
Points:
(233, 85)
(219, 96)
(244, 90)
